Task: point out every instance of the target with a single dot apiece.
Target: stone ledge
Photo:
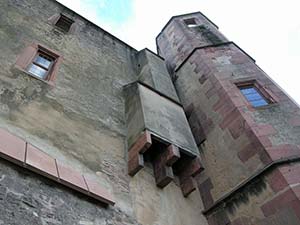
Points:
(18, 151)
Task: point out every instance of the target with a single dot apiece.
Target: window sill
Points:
(48, 82)
(271, 105)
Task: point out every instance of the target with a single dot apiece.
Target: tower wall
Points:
(244, 148)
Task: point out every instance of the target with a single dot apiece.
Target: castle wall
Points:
(78, 120)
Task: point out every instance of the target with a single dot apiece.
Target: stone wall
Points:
(80, 120)
(237, 142)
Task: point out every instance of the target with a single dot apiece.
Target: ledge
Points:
(211, 46)
(22, 153)
(260, 172)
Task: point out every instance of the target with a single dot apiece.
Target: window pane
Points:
(249, 90)
(37, 71)
(261, 102)
(253, 97)
(43, 61)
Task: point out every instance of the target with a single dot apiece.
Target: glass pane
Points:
(253, 97)
(43, 61)
(249, 90)
(38, 71)
(261, 102)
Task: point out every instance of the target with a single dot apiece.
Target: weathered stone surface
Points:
(80, 121)
(26, 198)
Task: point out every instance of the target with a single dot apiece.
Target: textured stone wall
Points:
(30, 199)
(271, 199)
(80, 121)
(236, 140)
(176, 41)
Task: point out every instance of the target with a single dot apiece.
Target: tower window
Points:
(64, 23)
(191, 22)
(254, 96)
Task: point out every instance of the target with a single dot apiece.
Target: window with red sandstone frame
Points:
(39, 61)
(255, 94)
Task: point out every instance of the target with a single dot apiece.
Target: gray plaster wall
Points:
(152, 71)
(167, 120)
(80, 121)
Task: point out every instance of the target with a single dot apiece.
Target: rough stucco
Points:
(80, 121)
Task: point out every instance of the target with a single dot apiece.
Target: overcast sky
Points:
(268, 30)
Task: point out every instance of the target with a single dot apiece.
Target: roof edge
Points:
(95, 25)
(186, 14)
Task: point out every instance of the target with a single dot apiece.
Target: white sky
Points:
(268, 30)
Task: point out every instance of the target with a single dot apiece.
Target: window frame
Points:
(265, 95)
(28, 56)
(47, 69)
(64, 18)
(190, 22)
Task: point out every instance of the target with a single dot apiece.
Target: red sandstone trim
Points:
(16, 150)
(166, 163)
(27, 55)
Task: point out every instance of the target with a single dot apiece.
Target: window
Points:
(64, 23)
(41, 65)
(40, 62)
(254, 96)
(191, 22)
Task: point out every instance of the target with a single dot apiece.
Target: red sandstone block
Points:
(265, 157)
(97, 192)
(280, 201)
(263, 130)
(227, 107)
(247, 152)
(291, 174)
(229, 118)
(276, 180)
(12, 148)
(135, 164)
(41, 162)
(71, 178)
(142, 144)
(192, 168)
(163, 175)
(265, 141)
(171, 155)
(204, 189)
(239, 102)
(249, 119)
(283, 151)
(296, 207)
(237, 128)
(187, 186)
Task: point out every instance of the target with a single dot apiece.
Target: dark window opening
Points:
(191, 22)
(64, 23)
(254, 96)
